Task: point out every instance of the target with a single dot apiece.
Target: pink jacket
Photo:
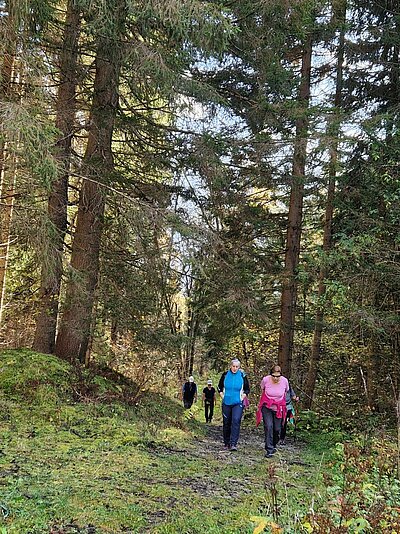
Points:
(268, 402)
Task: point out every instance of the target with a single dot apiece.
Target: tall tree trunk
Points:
(374, 364)
(7, 176)
(333, 136)
(319, 316)
(7, 205)
(295, 216)
(58, 199)
(75, 326)
(192, 331)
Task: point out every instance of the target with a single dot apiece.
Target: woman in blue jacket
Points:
(233, 387)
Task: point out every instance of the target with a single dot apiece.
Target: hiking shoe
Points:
(268, 455)
(233, 448)
(227, 447)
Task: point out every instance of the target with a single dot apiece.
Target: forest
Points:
(182, 183)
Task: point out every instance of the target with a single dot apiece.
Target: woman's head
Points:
(235, 365)
(276, 373)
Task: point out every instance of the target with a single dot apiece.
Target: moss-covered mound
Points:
(70, 442)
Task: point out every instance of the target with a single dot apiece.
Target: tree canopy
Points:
(183, 180)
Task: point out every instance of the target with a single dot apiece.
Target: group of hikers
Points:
(275, 407)
(189, 395)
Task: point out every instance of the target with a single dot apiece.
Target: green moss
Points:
(23, 373)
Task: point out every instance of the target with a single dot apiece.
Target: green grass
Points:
(85, 463)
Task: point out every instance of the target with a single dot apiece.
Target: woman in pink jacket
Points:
(272, 407)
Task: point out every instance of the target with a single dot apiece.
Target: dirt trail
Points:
(250, 454)
(212, 474)
(250, 448)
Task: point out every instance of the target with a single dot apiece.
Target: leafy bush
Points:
(362, 491)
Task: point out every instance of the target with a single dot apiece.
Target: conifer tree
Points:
(258, 83)
(339, 20)
(26, 163)
(7, 176)
(73, 336)
(160, 39)
(58, 199)
(295, 215)
(367, 192)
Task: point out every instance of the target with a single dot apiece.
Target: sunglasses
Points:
(276, 376)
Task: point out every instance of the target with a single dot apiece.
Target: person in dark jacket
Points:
(208, 401)
(233, 387)
(189, 393)
(290, 397)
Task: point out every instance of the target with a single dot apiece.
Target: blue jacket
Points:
(233, 385)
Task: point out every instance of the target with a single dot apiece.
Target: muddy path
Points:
(202, 474)
(219, 472)
(250, 448)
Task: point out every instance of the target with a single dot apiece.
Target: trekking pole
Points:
(322, 408)
(296, 410)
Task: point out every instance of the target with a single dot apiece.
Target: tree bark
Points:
(333, 135)
(7, 176)
(289, 285)
(192, 327)
(188, 348)
(46, 319)
(75, 326)
(8, 179)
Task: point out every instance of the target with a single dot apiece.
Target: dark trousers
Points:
(284, 426)
(208, 410)
(231, 417)
(187, 403)
(272, 429)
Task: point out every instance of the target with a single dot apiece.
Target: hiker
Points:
(209, 401)
(233, 387)
(290, 412)
(189, 392)
(272, 407)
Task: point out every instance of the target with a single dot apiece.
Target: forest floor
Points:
(79, 464)
(224, 490)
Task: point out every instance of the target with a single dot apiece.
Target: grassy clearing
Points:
(71, 464)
